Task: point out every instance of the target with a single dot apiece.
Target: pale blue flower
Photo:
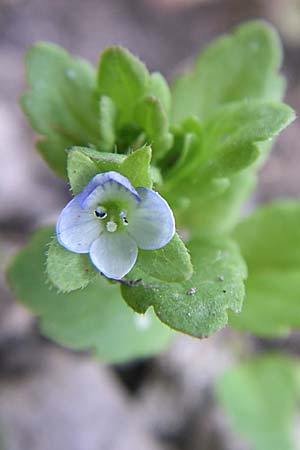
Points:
(110, 219)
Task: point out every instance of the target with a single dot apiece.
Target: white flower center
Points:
(111, 226)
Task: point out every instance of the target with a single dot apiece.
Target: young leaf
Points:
(187, 145)
(210, 181)
(260, 398)
(123, 78)
(104, 160)
(227, 146)
(81, 169)
(232, 68)
(206, 206)
(62, 102)
(152, 118)
(107, 124)
(95, 318)
(231, 133)
(136, 167)
(270, 242)
(171, 263)
(69, 271)
(220, 211)
(159, 88)
(84, 164)
(198, 306)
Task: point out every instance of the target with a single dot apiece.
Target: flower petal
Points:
(108, 186)
(152, 223)
(110, 192)
(77, 228)
(114, 254)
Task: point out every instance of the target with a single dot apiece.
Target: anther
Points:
(100, 212)
(123, 217)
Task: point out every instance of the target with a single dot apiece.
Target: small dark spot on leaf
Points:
(224, 290)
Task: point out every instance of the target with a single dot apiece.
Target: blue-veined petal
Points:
(114, 254)
(152, 223)
(77, 228)
(110, 192)
(107, 186)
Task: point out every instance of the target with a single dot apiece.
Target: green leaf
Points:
(94, 318)
(69, 271)
(107, 124)
(204, 199)
(136, 104)
(123, 78)
(260, 398)
(187, 145)
(234, 67)
(136, 167)
(62, 103)
(231, 133)
(198, 306)
(151, 117)
(159, 88)
(81, 169)
(85, 163)
(104, 160)
(219, 212)
(171, 263)
(211, 208)
(270, 242)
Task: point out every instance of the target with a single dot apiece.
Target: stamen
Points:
(111, 226)
(100, 212)
(123, 217)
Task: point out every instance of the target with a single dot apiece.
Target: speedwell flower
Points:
(110, 219)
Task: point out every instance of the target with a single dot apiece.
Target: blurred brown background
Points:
(51, 398)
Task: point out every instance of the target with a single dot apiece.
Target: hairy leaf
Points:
(231, 133)
(242, 65)
(62, 103)
(209, 183)
(95, 318)
(84, 164)
(198, 306)
(81, 169)
(159, 88)
(136, 167)
(219, 212)
(152, 118)
(171, 263)
(69, 271)
(123, 78)
(107, 124)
